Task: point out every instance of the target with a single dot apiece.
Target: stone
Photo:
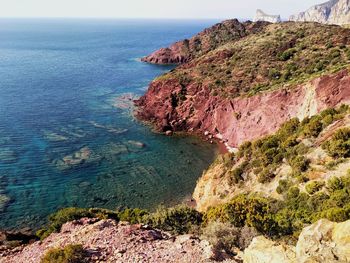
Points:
(262, 250)
(168, 133)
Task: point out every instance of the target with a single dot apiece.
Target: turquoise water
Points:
(67, 134)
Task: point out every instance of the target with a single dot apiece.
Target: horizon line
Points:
(121, 18)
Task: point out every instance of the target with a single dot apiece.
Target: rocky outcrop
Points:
(332, 12)
(262, 16)
(324, 241)
(207, 40)
(262, 250)
(236, 92)
(244, 118)
(108, 241)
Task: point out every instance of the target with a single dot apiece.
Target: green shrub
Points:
(299, 163)
(313, 128)
(334, 184)
(339, 145)
(178, 220)
(287, 54)
(314, 187)
(69, 254)
(252, 211)
(222, 236)
(133, 216)
(265, 176)
(283, 186)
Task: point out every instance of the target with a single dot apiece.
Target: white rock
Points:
(262, 16)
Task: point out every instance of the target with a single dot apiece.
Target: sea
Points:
(68, 136)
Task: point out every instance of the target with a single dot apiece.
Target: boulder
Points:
(262, 250)
(324, 241)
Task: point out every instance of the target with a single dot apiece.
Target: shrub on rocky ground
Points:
(178, 220)
(314, 187)
(339, 145)
(69, 254)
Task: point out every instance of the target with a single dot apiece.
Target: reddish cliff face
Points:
(207, 40)
(239, 119)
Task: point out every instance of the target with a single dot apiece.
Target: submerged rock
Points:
(4, 200)
(7, 155)
(83, 156)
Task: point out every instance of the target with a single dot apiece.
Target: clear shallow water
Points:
(67, 135)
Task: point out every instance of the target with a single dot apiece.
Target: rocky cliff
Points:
(247, 88)
(323, 241)
(331, 12)
(207, 40)
(262, 16)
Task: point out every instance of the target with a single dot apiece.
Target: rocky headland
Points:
(205, 41)
(331, 12)
(247, 88)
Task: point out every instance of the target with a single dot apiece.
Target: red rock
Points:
(258, 115)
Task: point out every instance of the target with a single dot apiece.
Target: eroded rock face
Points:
(262, 250)
(207, 40)
(324, 241)
(332, 12)
(262, 16)
(243, 118)
(108, 241)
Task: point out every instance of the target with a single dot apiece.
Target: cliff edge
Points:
(332, 12)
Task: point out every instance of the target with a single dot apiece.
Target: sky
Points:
(183, 9)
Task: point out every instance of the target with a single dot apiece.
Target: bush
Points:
(287, 54)
(252, 211)
(265, 176)
(133, 216)
(299, 163)
(283, 186)
(334, 184)
(178, 220)
(69, 254)
(339, 145)
(313, 128)
(314, 187)
(222, 236)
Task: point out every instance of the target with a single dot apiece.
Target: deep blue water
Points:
(65, 89)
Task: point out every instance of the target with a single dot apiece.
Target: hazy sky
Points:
(151, 8)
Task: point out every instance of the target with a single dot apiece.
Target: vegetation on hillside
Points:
(285, 53)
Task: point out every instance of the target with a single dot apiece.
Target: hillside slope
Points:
(205, 41)
(247, 88)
